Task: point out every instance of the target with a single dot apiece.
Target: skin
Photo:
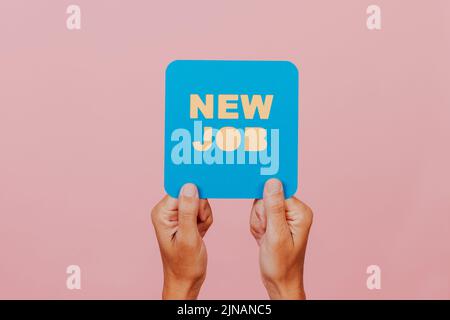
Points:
(180, 225)
(280, 227)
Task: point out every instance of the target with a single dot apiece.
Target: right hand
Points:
(180, 225)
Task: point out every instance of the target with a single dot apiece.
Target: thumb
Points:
(274, 206)
(188, 207)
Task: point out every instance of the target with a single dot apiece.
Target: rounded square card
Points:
(230, 126)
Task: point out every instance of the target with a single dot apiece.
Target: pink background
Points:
(81, 142)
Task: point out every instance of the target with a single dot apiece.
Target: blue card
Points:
(230, 126)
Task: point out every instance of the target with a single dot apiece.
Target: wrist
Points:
(181, 289)
(285, 290)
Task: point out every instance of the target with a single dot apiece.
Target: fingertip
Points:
(189, 190)
(273, 196)
(272, 186)
(188, 208)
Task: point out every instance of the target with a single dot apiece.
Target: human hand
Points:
(281, 229)
(180, 225)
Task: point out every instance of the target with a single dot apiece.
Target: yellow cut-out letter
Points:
(207, 108)
(207, 138)
(256, 103)
(228, 138)
(255, 139)
(224, 105)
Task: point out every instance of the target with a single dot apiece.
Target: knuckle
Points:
(255, 227)
(254, 233)
(275, 205)
(308, 211)
(302, 207)
(188, 208)
(187, 215)
(307, 215)
(188, 201)
(210, 220)
(154, 214)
